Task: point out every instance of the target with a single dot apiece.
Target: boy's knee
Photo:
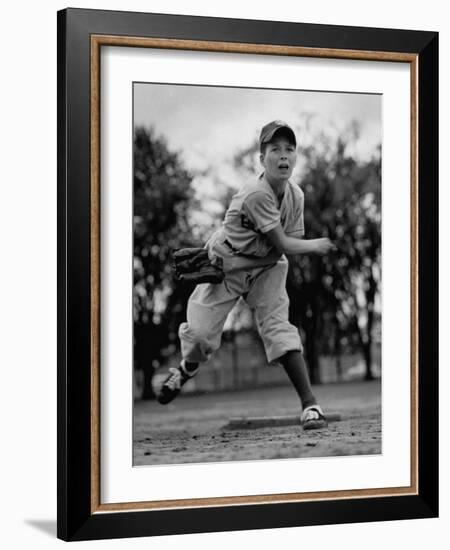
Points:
(197, 335)
(279, 339)
(189, 332)
(195, 346)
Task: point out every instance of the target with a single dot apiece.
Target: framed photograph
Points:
(247, 274)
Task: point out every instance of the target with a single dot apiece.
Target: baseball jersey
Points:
(255, 210)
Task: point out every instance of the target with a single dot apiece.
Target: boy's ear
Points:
(261, 158)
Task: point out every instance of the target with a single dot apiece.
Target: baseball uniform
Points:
(253, 270)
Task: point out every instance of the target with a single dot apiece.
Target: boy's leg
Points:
(312, 417)
(207, 311)
(190, 367)
(296, 369)
(268, 297)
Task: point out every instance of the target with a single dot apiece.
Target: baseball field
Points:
(193, 428)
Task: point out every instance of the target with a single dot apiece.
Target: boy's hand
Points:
(322, 246)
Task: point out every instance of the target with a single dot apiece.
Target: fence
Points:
(241, 363)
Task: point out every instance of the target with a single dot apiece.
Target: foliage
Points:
(333, 299)
(162, 199)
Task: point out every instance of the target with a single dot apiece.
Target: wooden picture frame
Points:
(81, 35)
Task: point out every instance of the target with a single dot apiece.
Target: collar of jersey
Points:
(262, 177)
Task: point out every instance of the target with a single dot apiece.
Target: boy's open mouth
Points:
(283, 166)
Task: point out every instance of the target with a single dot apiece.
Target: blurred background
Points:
(194, 146)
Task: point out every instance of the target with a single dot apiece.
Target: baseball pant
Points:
(264, 290)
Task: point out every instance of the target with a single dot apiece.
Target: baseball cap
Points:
(269, 130)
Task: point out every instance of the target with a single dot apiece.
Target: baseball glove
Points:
(193, 265)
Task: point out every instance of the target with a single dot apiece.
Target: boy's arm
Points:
(290, 245)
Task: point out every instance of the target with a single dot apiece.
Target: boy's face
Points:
(279, 158)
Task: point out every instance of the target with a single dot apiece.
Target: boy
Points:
(262, 225)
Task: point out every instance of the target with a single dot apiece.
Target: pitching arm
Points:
(290, 245)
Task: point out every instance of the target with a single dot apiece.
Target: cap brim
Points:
(286, 129)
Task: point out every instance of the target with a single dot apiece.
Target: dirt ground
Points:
(192, 428)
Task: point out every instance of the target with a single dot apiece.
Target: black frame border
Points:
(75, 520)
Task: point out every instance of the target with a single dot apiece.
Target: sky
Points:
(208, 125)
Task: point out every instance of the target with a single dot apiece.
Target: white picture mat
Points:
(120, 482)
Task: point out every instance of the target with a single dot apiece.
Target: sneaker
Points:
(174, 382)
(312, 418)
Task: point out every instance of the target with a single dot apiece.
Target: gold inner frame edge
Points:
(97, 41)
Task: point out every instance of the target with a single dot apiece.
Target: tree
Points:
(163, 197)
(332, 299)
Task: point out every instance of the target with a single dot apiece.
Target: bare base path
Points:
(191, 428)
